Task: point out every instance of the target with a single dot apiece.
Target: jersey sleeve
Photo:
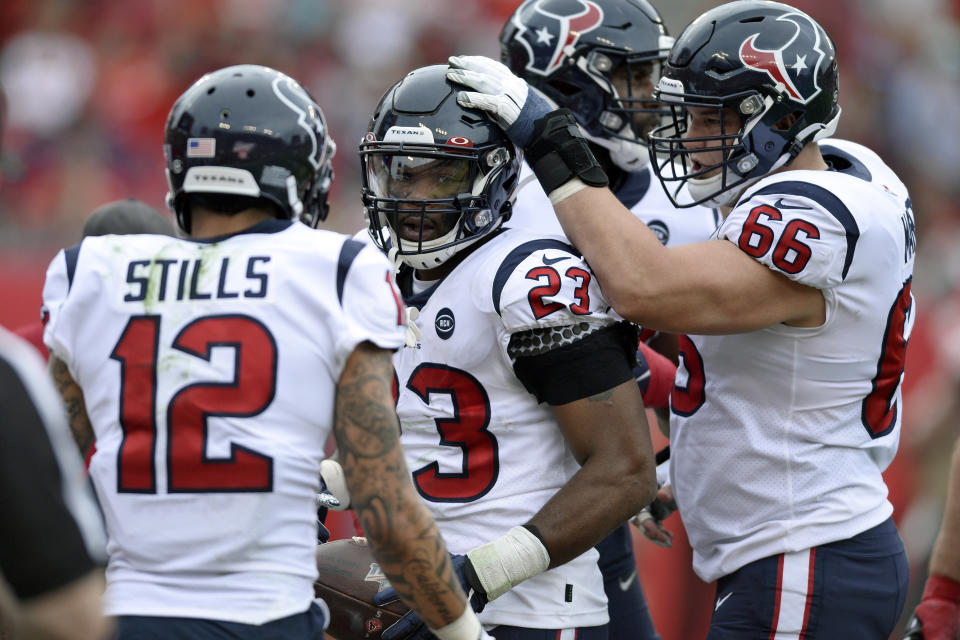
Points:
(565, 342)
(57, 333)
(372, 309)
(548, 287)
(808, 240)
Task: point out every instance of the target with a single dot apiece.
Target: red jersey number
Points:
(879, 414)
(467, 430)
(790, 255)
(189, 469)
(686, 400)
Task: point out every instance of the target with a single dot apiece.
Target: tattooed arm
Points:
(404, 538)
(72, 396)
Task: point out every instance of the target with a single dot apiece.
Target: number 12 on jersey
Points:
(188, 468)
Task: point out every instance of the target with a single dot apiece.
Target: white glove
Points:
(332, 475)
(497, 90)
(505, 97)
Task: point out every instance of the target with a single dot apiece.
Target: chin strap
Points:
(413, 331)
(393, 255)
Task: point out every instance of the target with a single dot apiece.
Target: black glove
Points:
(410, 626)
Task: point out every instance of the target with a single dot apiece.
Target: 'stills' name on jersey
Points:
(183, 279)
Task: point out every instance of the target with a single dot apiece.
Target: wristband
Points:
(566, 190)
(942, 588)
(509, 560)
(559, 153)
(466, 627)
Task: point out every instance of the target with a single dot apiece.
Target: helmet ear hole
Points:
(786, 123)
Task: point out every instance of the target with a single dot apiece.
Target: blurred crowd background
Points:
(89, 83)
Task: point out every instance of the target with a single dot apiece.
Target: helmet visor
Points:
(418, 178)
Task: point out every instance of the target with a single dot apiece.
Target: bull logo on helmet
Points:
(291, 94)
(548, 28)
(793, 65)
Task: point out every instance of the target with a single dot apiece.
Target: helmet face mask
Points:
(768, 73)
(249, 131)
(605, 73)
(436, 177)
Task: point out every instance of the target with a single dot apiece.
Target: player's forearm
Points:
(945, 560)
(403, 536)
(407, 543)
(619, 248)
(617, 477)
(76, 408)
(601, 496)
(72, 612)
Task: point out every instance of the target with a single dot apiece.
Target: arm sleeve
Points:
(564, 340)
(51, 531)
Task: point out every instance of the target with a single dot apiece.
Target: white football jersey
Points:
(642, 194)
(779, 436)
(209, 372)
(484, 454)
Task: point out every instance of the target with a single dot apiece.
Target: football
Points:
(348, 580)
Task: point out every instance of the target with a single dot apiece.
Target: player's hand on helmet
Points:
(937, 617)
(410, 626)
(651, 517)
(509, 100)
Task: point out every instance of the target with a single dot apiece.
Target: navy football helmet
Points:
(770, 64)
(425, 155)
(251, 131)
(599, 58)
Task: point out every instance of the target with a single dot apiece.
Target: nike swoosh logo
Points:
(722, 600)
(779, 204)
(625, 584)
(547, 260)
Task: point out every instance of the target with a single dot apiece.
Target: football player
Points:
(212, 369)
(787, 405)
(522, 423)
(605, 72)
